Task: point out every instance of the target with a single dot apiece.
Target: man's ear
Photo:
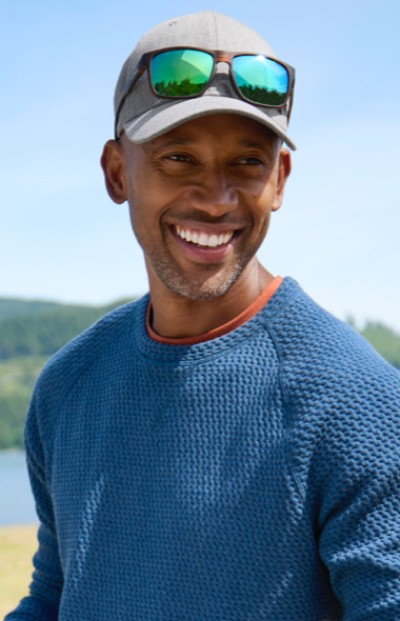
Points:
(284, 169)
(112, 163)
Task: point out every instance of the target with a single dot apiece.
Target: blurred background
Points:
(338, 233)
(67, 253)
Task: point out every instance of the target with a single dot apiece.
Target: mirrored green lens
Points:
(261, 79)
(181, 73)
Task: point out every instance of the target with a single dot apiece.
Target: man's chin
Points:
(200, 290)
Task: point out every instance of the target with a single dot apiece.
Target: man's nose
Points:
(215, 193)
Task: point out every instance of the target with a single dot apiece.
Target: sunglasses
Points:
(183, 73)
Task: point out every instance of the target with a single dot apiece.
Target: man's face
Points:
(200, 199)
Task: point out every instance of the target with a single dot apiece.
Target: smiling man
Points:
(200, 198)
(222, 449)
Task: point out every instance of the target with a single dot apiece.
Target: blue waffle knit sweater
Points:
(254, 477)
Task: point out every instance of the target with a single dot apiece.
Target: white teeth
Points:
(203, 239)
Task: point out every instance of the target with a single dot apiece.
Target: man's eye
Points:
(251, 161)
(178, 157)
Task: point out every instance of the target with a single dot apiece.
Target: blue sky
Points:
(338, 232)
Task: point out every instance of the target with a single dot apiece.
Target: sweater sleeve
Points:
(360, 544)
(46, 586)
(360, 510)
(343, 403)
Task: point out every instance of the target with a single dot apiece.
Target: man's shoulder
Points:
(340, 393)
(312, 343)
(72, 360)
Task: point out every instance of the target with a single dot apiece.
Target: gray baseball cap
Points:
(144, 116)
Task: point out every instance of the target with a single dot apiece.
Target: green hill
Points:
(31, 331)
(385, 340)
(17, 377)
(42, 333)
(10, 307)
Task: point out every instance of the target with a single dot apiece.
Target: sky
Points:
(337, 234)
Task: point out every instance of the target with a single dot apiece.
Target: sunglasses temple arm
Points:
(291, 98)
(124, 98)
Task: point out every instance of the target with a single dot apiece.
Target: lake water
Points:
(16, 500)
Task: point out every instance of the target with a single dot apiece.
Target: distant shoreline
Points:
(9, 527)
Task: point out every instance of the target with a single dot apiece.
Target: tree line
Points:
(30, 332)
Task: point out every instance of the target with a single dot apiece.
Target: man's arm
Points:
(46, 587)
(360, 527)
(361, 547)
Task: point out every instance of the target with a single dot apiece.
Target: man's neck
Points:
(174, 316)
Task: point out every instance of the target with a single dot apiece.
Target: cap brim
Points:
(173, 113)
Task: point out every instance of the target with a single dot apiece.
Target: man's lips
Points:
(206, 235)
(202, 238)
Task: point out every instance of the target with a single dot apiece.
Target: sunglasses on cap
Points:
(183, 73)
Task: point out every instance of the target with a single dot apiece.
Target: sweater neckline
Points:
(225, 328)
(187, 354)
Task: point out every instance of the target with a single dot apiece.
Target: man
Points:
(223, 449)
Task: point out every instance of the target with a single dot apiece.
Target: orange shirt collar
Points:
(233, 324)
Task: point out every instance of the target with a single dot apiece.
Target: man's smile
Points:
(204, 243)
(201, 197)
(202, 238)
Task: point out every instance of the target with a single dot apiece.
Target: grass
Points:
(17, 546)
